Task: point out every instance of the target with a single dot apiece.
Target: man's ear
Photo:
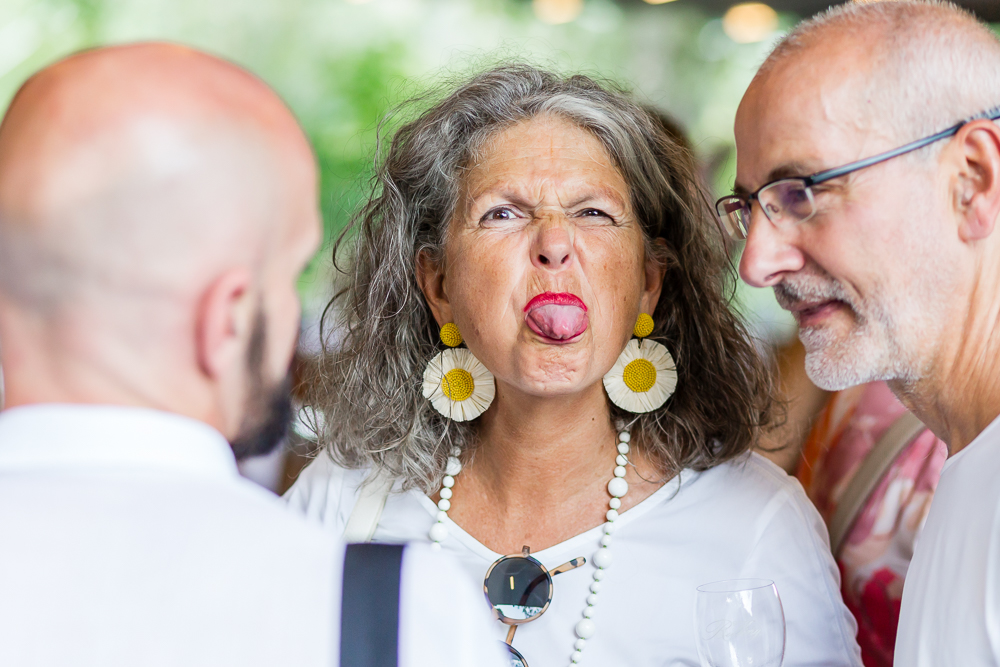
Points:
(976, 192)
(430, 278)
(224, 323)
(655, 269)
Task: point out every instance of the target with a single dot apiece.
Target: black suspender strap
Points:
(369, 608)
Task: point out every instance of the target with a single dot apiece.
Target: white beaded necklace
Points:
(617, 489)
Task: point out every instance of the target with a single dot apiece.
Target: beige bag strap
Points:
(874, 467)
(367, 510)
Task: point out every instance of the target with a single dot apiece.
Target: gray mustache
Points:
(791, 294)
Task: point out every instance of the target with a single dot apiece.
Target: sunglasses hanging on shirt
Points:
(519, 588)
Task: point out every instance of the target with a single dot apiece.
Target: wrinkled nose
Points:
(553, 246)
(769, 253)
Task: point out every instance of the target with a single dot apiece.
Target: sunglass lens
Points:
(516, 659)
(518, 588)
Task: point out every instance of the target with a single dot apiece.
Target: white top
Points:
(743, 519)
(127, 538)
(951, 598)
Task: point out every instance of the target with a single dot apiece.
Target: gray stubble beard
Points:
(871, 351)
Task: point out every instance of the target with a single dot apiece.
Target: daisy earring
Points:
(456, 383)
(644, 376)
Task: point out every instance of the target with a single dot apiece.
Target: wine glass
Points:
(740, 623)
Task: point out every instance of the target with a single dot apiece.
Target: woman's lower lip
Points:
(557, 341)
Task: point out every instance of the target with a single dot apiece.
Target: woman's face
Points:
(544, 270)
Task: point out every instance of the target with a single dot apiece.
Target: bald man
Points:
(868, 188)
(156, 208)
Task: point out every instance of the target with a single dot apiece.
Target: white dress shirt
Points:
(743, 519)
(951, 598)
(128, 538)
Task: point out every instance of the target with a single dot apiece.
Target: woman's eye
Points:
(594, 213)
(499, 214)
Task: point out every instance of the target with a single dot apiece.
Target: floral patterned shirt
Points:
(876, 552)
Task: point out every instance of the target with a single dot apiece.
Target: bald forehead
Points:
(863, 78)
(808, 113)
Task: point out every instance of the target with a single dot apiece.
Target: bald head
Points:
(882, 260)
(142, 169)
(157, 205)
(910, 67)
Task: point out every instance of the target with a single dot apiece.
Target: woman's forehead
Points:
(544, 150)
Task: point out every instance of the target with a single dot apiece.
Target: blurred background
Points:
(341, 64)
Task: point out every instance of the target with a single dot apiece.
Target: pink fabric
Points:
(876, 553)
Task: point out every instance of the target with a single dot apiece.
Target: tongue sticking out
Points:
(556, 321)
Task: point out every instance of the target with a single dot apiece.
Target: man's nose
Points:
(552, 248)
(769, 253)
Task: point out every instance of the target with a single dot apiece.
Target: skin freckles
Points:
(545, 211)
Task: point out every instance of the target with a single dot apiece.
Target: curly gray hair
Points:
(367, 383)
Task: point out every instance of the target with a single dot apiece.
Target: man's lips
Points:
(556, 316)
(811, 314)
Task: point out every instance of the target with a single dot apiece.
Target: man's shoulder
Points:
(249, 506)
(968, 479)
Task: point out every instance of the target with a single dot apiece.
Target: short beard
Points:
(869, 352)
(268, 410)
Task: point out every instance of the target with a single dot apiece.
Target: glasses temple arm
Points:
(571, 565)
(830, 174)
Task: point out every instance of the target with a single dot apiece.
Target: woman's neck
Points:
(540, 471)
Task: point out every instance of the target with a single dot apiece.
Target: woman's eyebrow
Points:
(517, 196)
(598, 193)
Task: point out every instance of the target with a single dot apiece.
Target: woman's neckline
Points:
(664, 493)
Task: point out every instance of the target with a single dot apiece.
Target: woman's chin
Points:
(555, 380)
(554, 391)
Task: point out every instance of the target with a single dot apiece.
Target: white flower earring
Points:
(644, 376)
(456, 383)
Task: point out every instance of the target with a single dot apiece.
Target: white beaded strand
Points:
(439, 531)
(617, 488)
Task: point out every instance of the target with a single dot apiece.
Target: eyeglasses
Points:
(519, 588)
(789, 201)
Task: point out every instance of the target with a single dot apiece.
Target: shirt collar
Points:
(104, 437)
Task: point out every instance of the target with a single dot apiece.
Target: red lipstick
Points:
(557, 318)
(556, 299)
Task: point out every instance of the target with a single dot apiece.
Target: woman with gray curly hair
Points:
(535, 367)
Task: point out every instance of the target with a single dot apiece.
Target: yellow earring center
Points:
(457, 384)
(450, 335)
(643, 326)
(639, 375)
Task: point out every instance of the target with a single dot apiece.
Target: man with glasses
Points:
(868, 192)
